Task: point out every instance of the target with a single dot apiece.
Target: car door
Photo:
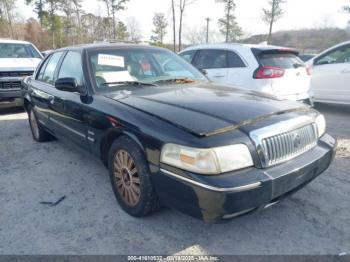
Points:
(238, 74)
(214, 62)
(41, 88)
(330, 76)
(68, 114)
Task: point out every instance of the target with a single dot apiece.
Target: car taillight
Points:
(268, 72)
(308, 70)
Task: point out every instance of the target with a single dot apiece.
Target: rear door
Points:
(214, 62)
(331, 76)
(238, 73)
(42, 87)
(296, 79)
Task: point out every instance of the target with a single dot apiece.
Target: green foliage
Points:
(160, 24)
(121, 31)
(273, 13)
(228, 25)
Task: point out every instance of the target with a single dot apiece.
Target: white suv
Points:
(269, 69)
(18, 59)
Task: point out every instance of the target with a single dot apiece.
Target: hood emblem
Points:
(296, 140)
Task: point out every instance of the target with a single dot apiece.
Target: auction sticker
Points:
(111, 60)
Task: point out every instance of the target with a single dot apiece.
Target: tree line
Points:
(64, 22)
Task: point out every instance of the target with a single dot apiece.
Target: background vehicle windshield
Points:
(141, 65)
(9, 50)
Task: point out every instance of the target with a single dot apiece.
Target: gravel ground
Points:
(316, 220)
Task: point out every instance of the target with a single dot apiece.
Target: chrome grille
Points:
(10, 85)
(288, 145)
(285, 140)
(16, 74)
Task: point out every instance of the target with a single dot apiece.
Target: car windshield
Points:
(11, 50)
(116, 67)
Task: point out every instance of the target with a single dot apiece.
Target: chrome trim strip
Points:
(217, 189)
(68, 128)
(91, 139)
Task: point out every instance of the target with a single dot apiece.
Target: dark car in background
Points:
(306, 57)
(18, 59)
(169, 136)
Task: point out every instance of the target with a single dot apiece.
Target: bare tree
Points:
(182, 7)
(174, 24)
(134, 29)
(272, 14)
(160, 25)
(228, 24)
(7, 8)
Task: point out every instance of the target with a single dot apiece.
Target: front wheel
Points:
(130, 178)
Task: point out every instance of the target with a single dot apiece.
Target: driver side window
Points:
(72, 67)
(338, 56)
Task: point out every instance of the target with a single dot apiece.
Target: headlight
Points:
(321, 125)
(207, 161)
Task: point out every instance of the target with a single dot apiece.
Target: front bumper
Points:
(214, 198)
(10, 94)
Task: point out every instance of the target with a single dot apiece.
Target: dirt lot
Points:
(316, 220)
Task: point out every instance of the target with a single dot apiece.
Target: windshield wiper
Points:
(133, 83)
(183, 80)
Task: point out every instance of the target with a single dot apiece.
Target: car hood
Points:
(204, 109)
(19, 63)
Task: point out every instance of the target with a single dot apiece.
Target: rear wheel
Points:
(130, 178)
(39, 134)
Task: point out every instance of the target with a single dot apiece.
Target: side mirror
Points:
(67, 84)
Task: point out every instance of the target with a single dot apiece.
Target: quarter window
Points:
(234, 61)
(42, 69)
(210, 59)
(72, 67)
(49, 73)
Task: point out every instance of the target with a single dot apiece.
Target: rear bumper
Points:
(214, 198)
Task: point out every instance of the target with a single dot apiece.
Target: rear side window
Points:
(188, 55)
(48, 75)
(234, 60)
(210, 59)
(72, 67)
(281, 60)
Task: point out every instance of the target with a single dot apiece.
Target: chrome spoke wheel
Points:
(34, 124)
(126, 178)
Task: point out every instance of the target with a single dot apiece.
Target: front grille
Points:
(290, 144)
(16, 74)
(10, 85)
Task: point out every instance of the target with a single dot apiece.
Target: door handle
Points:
(51, 99)
(345, 71)
(218, 75)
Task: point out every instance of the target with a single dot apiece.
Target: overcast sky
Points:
(298, 13)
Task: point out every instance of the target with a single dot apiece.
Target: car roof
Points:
(237, 46)
(101, 46)
(11, 41)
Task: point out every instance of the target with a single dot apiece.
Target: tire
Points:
(130, 178)
(38, 133)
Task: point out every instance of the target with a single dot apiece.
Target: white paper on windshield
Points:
(117, 76)
(111, 60)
